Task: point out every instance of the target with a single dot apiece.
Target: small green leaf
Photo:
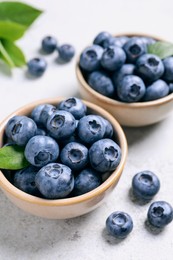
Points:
(18, 12)
(14, 53)
(161, 49)
(12, 158)
(11, 31)
(5, 56)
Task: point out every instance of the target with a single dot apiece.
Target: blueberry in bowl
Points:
(58, 179)
(111, 82)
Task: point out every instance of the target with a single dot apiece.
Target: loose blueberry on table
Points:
(122, 69)
(63, 145)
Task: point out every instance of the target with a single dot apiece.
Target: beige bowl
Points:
(128, 114)
(69, 207)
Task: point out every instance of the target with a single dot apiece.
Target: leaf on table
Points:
(161, 49)
(19, 13)
(11, 30)
(12, 158)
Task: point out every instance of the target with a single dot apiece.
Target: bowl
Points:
(67, 207)
(128, 114)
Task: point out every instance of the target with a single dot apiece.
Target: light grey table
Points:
(26, 237)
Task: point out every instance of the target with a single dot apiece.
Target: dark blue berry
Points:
(41, 113)
(37, 66)
(125, 70)
(156, 90)
(49, 44)
(66, 52)
(103, 39)
(168, 65)
(134, 48)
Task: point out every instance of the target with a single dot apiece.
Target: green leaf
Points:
(5, 56)
(18, 12)
(12, 158)
(11, 31)
(14, 53)
(161, 49)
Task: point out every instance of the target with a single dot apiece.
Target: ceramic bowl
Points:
(128, 114)
(68, 207)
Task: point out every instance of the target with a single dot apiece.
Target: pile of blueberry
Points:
(122, 69)
(145, 185)
(69, 149)
(66, 52)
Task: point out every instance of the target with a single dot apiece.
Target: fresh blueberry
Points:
(105, 155)
(41, 113)
(86, 180)
(170, 88)
(108, 128)
(101, 83)
(168, 65)
(160, 214)
(61, 124)
(41, 150)
(55, 181)
(156, 90)
(90, 58)
(73, 105)
(134, 48)
(121, 40)
(149, 67)
(131, 89)
(20, 129)
(119, 224)
(103, 39)
(145, 185)
(37, 66)
(90, 129)
(75, 156)
(41, 131)
(125, 70)
(25, 180)
(49, 44)
(113, 58)
(148, 40)
(66, 52)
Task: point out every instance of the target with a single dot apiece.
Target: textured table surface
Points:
(23, 236)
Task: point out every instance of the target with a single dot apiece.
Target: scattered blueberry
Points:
(156, 90)
(86, 180)
(131, 89)
(168, 65)
(66, 52)
(119, 224)
(105, 155)
(41, 150)
(37, 66)
(55, 181)
(145, 185)
(49, 44)
(160, 214)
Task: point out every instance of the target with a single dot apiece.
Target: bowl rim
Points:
(8, 187)
(112, 102)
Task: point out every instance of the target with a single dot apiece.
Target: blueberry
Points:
(145, 185)
(75, 156)
(119, 224)
(156, 90)
(149, 67)
(37, 66)
(73, 105)
(103, 39)
(41, 131)
(86, 180)
(168, 65)
(20, 129)
(113, 58)
(148, 40)
(170, 88)
(90, 128)
(25, 180)
(105, 155)
(49, 44)
(90, 58)
(61, 124)
(121, 40)
(41, 113)
(131, 89)
(160, 214)
(101, 83)
(55, 181)
(125, 70)
(41, 150)
(108, 128)
(66, 52)
(134, 48)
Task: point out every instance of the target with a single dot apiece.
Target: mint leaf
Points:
(12, 158)
(161, 49)
(18, 12)
(11, 30)
(13, 54)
